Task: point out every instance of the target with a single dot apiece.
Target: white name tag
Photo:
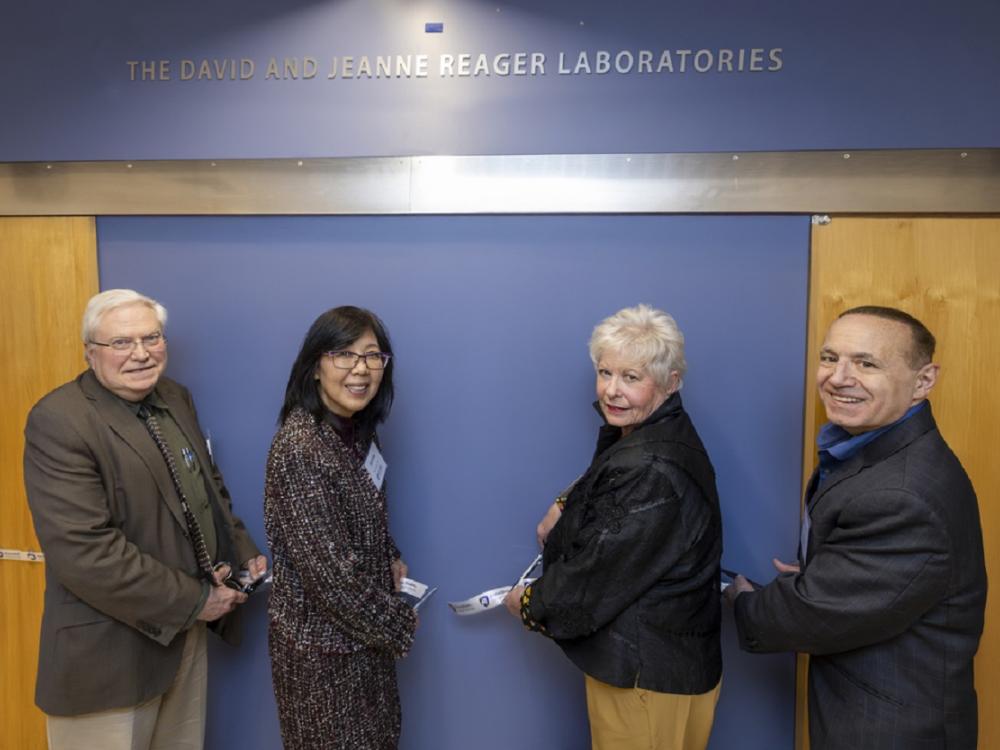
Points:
(414, 592)
(375, 465)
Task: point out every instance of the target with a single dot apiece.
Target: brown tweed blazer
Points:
(327, 526)
(121, 577)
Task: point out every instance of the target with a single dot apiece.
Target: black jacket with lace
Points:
(630, 589)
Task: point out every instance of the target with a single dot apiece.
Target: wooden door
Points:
(946, 273)
(48, 268)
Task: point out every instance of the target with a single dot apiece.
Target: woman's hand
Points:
(546, 524)
(256, 566)
(513, 601)
(399, 571)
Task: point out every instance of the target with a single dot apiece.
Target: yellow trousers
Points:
(637, 719)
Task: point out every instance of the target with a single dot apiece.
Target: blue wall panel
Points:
(490, 318)
(855, 74)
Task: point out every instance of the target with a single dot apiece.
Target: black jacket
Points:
(890, 599)
(630, 589)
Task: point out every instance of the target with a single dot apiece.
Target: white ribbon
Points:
(21, 555)
(494, 597)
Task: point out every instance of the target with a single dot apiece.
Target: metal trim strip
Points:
(807, 182)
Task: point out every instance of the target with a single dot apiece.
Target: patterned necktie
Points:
(194, 530)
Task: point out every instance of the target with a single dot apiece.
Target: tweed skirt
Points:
(330, 701)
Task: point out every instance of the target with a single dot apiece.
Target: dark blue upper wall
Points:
(854, 74)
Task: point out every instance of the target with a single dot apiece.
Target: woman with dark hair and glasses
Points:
(336, 626)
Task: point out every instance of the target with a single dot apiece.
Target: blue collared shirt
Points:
(836, 444)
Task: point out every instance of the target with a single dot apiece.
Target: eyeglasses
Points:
(151, 342)
(345, 360)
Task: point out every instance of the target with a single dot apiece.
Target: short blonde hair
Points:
(648, 336)
(103, 303)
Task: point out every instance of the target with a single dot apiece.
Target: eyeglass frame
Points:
(134, 343)
(384, 357)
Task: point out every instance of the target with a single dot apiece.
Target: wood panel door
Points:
(48, 268)
(946, 273)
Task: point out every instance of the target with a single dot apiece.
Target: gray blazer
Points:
(121, 576)
(889, 602)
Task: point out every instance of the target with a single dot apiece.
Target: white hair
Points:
(112, 299)
(645, 335)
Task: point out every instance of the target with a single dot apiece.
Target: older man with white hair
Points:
(135, 521)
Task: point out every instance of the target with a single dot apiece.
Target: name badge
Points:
(375, 465)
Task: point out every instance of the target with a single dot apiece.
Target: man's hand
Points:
(221, 600)
(783, 567)
(399, 571)
(513, 601)
(546, 524)
(738, 586)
